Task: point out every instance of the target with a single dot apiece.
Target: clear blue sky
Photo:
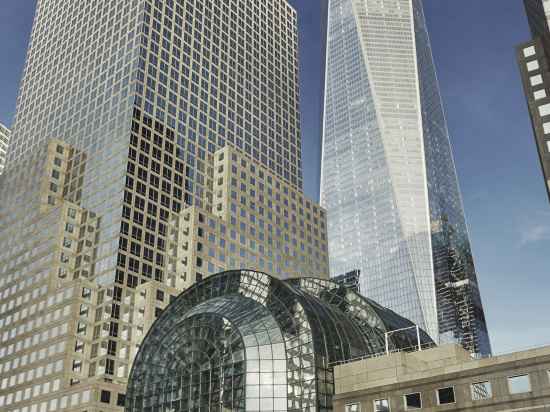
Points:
(508, 214)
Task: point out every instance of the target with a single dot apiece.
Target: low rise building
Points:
(445, 378)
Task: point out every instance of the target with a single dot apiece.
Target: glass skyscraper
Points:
(4, 142)
(388, 178)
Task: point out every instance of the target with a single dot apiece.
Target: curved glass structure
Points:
(245, 341)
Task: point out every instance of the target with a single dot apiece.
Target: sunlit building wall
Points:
(388, 178)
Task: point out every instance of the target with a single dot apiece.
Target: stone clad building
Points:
(445, 378)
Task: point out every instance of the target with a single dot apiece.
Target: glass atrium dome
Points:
(245, 341)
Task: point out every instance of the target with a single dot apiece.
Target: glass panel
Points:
(529, 51)
(446, 395)
(413, 401)
(532, 65)
(353, 407)
(381, 405)
(519, 384)
(481, 390)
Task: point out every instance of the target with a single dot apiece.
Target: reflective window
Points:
(519, 384)
(353, 407)
(539, 94)
(544, 110)
(532, 65)
(536, 80)
(481, 390)
(381, 405)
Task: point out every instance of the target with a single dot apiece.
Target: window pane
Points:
(446, 395)
(353, 407)
(532, 65)
(544, 110)
(529, 51)
(519, 384)
(540, 94)
(536, 80)
(381, 405)
(481, 390)
(413, 401)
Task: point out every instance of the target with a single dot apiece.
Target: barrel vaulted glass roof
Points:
(245, 341)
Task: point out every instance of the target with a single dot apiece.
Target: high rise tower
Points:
(156, 142)
(534, 64)
(4, 142)
(388, 178)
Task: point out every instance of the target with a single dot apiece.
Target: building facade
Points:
(4, 142)
(445, 378)
(534, 65)
(246, 341)
(388, 178)
(155, 143)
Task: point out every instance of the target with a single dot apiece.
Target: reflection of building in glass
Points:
(534, 63)
(388, 178)
(351, 280)
(243, 340)
(4, 141)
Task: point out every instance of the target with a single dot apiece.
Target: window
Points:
(353, 407)
(532, 65)
(539, 94)
(544, 110)
(519, 384)
(121, 400)
(546, 128)
(536, 80)
(381, 405)
(481, 390)
(548, 146)
(529, 51)
(446, 395)
(413, 401)
(105, 397)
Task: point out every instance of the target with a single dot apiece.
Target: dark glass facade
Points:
(245, 341)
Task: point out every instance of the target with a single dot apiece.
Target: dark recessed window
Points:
(121, 400)
(105, 396)
(413, 401)
(446, 395)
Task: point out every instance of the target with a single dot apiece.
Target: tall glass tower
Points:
(388, 177)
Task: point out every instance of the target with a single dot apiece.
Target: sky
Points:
(504, 196)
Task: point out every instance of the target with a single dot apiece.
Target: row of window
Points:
(535, 80)
(479, 391)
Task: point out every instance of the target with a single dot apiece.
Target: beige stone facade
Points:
(257, 222)
(443, 379)
(57, 341)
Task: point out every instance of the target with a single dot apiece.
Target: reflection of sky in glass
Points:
(388, 178)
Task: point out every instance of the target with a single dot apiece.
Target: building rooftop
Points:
(405, 367)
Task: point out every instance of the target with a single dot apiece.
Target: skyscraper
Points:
(155, 143)
(534, 64)
(4, 141)
(388, 178)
